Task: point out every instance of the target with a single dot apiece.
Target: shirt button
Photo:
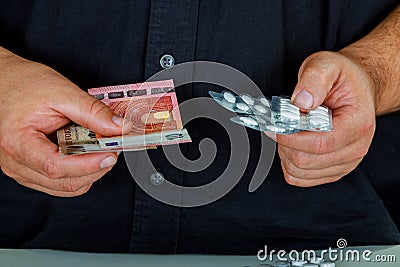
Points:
(157, 178)
(167, 61)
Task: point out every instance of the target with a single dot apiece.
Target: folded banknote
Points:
(151, 107)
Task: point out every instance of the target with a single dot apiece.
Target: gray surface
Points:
(47, 258)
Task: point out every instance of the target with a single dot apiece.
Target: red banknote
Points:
(151, 107)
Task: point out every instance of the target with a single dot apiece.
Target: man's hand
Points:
(358, 83)
(36, 101)
(311, 158)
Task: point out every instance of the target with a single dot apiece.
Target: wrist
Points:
(378, 54)
(369, 73)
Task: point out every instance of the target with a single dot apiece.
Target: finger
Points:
(346, 130)
(316, 78)
(310, 183)
(303, 160)
(338, 170)
(319, 143)
(25, 175)
(91, 113)
(39, 154)
(56, 193)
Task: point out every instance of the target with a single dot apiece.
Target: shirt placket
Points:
(171, 40)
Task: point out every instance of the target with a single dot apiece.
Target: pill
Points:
(261, 120)
(291, 107)
(327, 264)
(242, 106)
(265, 101)
(319, 123)
(260, 109)
(318, 115)
(322, 108)
(249, 121)
(247, 99)
(289, 115)
(229, 97)
(318, 112)
(289, 110)
(284, 100)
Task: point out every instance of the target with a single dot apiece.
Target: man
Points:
(122, 42)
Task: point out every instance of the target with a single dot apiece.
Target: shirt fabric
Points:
(99, 43)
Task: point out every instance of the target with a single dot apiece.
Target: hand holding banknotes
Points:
(36, 101)
(310, 158)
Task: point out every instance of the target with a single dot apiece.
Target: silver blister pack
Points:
(262, 125)
(286, 113)
(278, 116)
(231, 102)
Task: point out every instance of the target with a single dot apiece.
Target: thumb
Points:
(317, 76)
(91, 113)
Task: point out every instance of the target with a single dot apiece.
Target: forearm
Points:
(379, 54)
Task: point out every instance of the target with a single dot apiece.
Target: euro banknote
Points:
(151, 108)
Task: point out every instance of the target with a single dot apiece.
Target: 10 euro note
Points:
(151, 108)
(75, 139)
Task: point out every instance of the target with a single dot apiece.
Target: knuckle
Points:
(71, 185)
(8, 172)
(362, 152)
(291, 169)
(2, 142)
(321, 56)
(313, 71)
(322, 144)
(293, 181)
(299, 160)
(290, 181)
(80, 191)
(320, 65)
(51, 169)
(96, 108)
(368, 128)
(5, 145)
(84, 190)
(318, 76)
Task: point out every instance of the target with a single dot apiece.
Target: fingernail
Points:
(119, 121)
(304, 100)
(108, 162)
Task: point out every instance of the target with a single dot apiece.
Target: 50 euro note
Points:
(151, 108)
(74, 139)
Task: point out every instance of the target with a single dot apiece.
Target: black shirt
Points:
(98, 43)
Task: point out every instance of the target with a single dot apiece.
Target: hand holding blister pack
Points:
(278, 116)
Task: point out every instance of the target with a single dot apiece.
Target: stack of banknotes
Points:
(152, 109)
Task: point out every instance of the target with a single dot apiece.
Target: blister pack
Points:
(285, 114)
(277, 116)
